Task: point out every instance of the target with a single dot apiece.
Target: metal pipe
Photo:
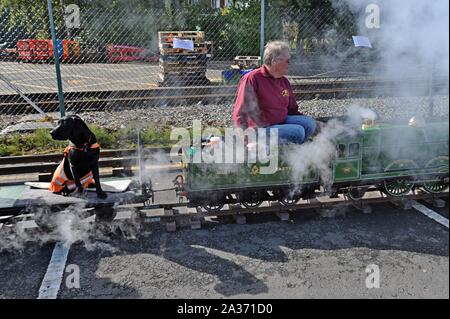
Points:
(262, 26)
(22, 95)
(56, 59)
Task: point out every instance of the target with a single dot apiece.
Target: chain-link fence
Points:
(128, 59)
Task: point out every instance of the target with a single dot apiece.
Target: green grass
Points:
(156, 137)
(19, 144)
(40, 141)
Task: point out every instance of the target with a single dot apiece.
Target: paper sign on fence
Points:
(360, 41)
(183, 44)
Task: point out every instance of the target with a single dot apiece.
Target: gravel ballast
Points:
(220, 115)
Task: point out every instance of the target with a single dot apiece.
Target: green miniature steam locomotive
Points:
(395, 158)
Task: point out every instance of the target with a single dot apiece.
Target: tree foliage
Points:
(235, 30)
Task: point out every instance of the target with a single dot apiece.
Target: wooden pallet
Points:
(247, 58)
(192, 72)
(195, 68)
(165, 45)
(182, 63)
(166, 42)
(199, 48)
(183, 58)
(183, 73)
(180, 34)
(169, 39)
(245, 62)
(172, 51)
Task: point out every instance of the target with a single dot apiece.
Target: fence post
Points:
(56, 58)
(262, 28)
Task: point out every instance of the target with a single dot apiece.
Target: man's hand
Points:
(319, 127)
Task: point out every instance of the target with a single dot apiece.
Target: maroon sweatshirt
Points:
(263, 100)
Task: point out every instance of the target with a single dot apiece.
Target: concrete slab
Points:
(9, 194)
(27, 127)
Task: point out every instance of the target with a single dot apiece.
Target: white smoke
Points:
(411, 37)
(69, 226)
(155, 166)
(319, 153)
(357, 114)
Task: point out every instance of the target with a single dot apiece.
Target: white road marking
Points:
(52, 280)
(430, 213)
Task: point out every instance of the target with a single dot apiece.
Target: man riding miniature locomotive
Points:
(265, 99)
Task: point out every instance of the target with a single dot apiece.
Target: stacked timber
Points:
(180, 66)
(245, 62)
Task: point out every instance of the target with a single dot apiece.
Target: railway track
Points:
(177, 215)
(98, 100)
(47, 163)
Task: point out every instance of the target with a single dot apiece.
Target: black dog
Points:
(83, 153)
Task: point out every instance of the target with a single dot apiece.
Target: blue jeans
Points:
(295, 129)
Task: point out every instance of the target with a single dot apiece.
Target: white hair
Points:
(273, 50)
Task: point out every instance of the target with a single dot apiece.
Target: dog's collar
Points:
(85, 147)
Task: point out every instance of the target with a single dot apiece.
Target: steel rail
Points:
(56, 157)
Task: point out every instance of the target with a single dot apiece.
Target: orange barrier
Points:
(31, 50)
(124, 53)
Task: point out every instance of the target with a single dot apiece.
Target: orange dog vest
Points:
(60, 179)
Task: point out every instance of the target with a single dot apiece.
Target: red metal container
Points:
(24, 50)
(42, 50)
(124, 53)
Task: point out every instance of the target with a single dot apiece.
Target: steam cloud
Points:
(70, 226)
(411, 40)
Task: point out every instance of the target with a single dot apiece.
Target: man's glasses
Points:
(285, 61)
(288, 60)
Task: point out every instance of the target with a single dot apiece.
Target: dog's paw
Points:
(102, 194)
